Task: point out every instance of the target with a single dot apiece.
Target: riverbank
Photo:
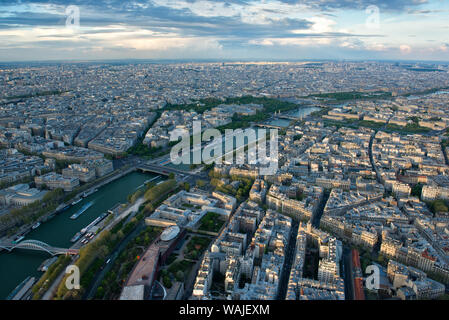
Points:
(58, 231)
(117, 174)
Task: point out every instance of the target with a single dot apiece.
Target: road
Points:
(371, 158)
(348, 279)
(52, 289)
(190, 281)
(131, 211)
(289, 256)
(319, 213)
(158, 169)
(445, 155)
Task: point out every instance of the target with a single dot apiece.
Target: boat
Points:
(76, 237)
(93, 223)
(111, 211)
(36, 226)
(18, 239)
(152, 179)
(61, 208)
(46, 264)
(142, 185)
(81, 211)
(19, 292)
(76, 201)
(86, 194)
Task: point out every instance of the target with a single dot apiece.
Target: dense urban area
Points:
(362, 180)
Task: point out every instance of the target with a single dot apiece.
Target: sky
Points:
(232, 29)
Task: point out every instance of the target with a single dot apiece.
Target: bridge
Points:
(268, 126)
(38, 246)
(287, 117)
(163, 170)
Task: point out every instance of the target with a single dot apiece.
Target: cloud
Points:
(405, 48)
(217, 27)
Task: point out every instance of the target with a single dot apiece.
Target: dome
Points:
(170, 233)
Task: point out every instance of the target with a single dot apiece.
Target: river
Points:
(17, 265)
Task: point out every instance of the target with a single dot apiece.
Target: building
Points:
(102, 166)
(53, 180)
(430, 193)
(20, 195)
(415, 280)
(258, 191)
(82, 172)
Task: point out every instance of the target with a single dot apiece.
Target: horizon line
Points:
(211, 60)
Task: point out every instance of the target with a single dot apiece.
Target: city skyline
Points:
(231, 30)
(224, 151)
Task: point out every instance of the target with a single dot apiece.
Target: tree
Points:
(171, 176)
(180, 275)
(438, 206)
(200, 183)
(100, 292)
(194, 254)
(159, 190)
(167, 282)
(416, 190)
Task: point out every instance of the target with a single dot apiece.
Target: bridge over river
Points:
(37, 246)
(163, 170)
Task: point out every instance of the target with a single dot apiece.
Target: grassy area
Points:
(270, 104)
(353, 95)
(195, 247)
(211, 222)
(437, 206)
(176, 271)
(410, 128)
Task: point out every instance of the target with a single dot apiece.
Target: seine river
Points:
(300, 113)
(17, 265)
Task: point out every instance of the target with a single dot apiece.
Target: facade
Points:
(53, 180)
(83, 173)
(20, 195)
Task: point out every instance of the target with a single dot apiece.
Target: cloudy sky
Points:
(229, 29)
